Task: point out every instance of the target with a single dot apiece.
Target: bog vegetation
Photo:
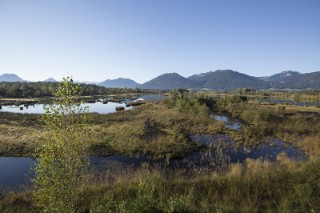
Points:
(162, 130)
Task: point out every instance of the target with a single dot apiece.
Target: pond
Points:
(269, 149)
(15, 173)
(99, 107)
(230, 123)
(154, 97)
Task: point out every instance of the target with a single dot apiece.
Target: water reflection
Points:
(102, 106)
(154, 97)
(99, 107)
(221, 151)
(15, 173)
(239, 153)
(229, 123)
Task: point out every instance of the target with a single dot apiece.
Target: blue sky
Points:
(141, 39)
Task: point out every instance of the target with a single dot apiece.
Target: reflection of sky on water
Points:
(98, 107)
(15, 172)
(229, 123)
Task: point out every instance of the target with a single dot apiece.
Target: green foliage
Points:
(143, 202)
(63, 151)
(188, 102)
(45, 89)
(178, 204)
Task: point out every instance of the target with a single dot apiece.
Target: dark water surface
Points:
(268, 150)
(15, 173)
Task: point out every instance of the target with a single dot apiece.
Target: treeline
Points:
(295, 95)
(44, 89)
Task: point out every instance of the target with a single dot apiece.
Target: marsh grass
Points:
(260, 121)
(18, 140)
(256, 186)
(154, 129)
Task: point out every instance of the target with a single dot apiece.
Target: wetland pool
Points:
(97, 107)
(16, 172)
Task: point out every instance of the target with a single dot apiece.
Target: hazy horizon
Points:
(98, 40)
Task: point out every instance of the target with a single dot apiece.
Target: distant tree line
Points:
(44, 89)
(296, 95)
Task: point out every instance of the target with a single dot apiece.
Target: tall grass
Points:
(256, 186)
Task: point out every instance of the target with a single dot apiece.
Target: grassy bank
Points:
(290, 123)
(254, 187)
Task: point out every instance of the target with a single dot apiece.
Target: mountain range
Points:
(217, 80)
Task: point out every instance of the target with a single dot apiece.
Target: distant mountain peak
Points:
(9, 77)
(119, 83)
(50, 80)
(226, 80)
(170, 81)
(289, 72)
(225, 70)
(283, 77)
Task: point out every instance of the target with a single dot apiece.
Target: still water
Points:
(230, 123)
(223, 146)
(15, 173)
(98, 107)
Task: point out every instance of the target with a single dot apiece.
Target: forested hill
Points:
(43, 89)
(170, 81)
(294, 80)
(228, 80)
(120, 83)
